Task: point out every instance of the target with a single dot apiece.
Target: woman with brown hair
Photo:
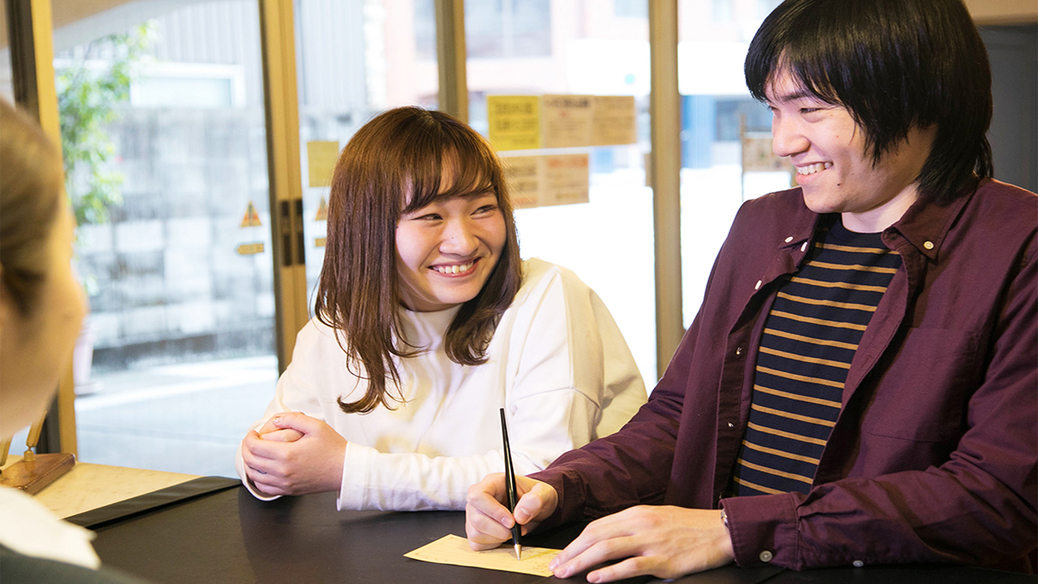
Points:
(427, 322)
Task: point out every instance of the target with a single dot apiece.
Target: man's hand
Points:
(666, 542)
(487, 520)
(294, 454)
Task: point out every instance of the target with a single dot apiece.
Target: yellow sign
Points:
(514, 121)
(250, 248)
(321, 157)
(251, 218)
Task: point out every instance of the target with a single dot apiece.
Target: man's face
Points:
(837, 175)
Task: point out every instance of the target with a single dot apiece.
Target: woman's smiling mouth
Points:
(455, 268)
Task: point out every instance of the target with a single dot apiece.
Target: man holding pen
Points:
(860, 385)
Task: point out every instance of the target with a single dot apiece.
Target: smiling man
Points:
(860, 384)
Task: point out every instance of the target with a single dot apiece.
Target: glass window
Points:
(718, 117)
(583, 47)
(507, 28)
(163, 131)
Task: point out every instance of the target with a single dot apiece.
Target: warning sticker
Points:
(251, 218)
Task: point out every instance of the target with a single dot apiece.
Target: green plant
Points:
(91, 92)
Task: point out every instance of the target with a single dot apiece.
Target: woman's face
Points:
(35, 349)
(447, 250)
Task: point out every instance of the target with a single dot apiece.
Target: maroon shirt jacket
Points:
(934, 456)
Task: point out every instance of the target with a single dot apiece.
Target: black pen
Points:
(510, 484)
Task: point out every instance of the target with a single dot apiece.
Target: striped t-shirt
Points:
(810, 337)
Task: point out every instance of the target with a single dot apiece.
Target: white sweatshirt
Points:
(557, 364)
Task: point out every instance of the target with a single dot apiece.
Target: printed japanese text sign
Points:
(514, 121)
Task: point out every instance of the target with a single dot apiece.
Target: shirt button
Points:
(789, 239)
(928, 244)
(765, 556)
(757, 286)
(857, 563)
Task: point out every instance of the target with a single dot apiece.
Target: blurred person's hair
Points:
(31, 191)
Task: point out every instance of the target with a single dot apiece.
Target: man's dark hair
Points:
(895, 65)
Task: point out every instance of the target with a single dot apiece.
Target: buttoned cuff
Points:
(763, 530)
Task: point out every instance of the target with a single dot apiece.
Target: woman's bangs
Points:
(475, 175)
(422, 185)
(453, 178)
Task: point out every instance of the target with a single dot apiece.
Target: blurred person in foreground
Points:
(41, 310)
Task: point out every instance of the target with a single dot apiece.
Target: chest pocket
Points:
(923, 393)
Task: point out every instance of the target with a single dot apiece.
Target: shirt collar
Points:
(805, 225)
(925, 224)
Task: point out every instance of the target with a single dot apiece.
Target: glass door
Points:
(164, 138)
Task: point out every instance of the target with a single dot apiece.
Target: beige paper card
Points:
(757, 155)
(566, 179)
(566, 120)
(455, 550)
(614, 120)
(524, 175)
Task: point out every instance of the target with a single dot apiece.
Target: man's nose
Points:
(787, 138)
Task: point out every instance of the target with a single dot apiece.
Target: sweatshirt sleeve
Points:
(296, 391)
